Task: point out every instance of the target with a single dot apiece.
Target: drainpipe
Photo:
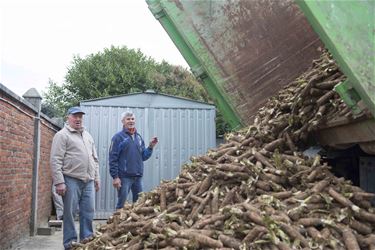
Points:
(35, 99)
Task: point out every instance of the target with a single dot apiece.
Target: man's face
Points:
(128, 122)
(75, 120)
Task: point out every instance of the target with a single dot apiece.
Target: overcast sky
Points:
(38, 38)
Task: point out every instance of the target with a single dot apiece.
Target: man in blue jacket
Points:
(126, 155)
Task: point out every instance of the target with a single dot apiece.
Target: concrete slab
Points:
(55, 223)
(48, 242)
(45, 231)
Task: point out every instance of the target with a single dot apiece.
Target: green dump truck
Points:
(246, 51)
(243, 51)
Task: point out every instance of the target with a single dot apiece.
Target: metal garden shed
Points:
(184, 127)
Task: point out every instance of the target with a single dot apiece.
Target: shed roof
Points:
(147, 99)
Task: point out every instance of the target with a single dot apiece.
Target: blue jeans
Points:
(128, 183)
(78, 194)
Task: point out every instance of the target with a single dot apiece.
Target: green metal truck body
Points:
(244, 51)
(347, 28)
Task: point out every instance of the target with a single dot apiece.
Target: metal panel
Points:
(347, 29)
(148, 99)
(244, 51)
(182, 132)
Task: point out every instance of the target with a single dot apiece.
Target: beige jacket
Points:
(73, 154)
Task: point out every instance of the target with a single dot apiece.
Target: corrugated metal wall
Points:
(182, 132)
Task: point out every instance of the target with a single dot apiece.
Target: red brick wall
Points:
(16, 166)
(45, 179)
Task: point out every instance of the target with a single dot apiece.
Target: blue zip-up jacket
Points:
(126, 155)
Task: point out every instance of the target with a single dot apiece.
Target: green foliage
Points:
(222, 127)
(56, 100)
(118, 71)
(115, 71)
(177, 81)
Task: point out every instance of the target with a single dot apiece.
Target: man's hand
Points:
(61, 189)
(97, 185)
(153, 142)
(116, 183)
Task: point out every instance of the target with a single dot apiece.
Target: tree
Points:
(56, 100)
(117, 71)
(112, 72)
(177, 81)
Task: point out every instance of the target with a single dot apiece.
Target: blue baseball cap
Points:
(75, 110)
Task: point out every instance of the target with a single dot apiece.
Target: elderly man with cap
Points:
(75, 173)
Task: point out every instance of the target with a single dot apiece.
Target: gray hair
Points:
(127, 113)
